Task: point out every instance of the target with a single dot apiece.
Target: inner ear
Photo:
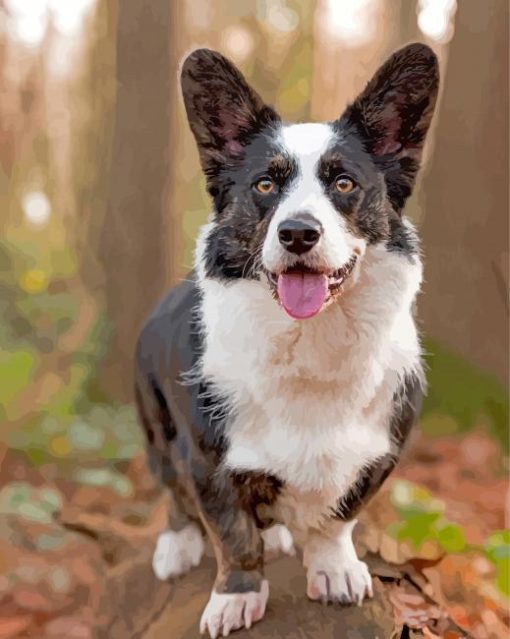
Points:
(393, 113)
(224, 112)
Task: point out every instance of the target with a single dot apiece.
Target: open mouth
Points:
(303, 291)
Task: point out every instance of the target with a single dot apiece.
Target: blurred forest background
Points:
(101, 197)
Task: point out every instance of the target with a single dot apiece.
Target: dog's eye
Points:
(344, 184)
(265, 186)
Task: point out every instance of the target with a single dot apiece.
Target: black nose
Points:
(300, 234)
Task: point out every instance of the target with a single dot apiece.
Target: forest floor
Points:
(75, 560)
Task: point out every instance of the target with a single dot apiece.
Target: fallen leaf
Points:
(14, 625)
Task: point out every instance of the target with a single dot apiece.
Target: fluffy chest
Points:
(309, 401)
(312, 448)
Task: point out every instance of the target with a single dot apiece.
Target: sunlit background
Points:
(101, 197)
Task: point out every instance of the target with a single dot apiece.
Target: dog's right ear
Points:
(223, 110)
(393, 114)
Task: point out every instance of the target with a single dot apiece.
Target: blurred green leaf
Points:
(52, 541)
(450, 536)
(16, 369)
(410, 499)
(13, 495)
(50, 499)
(34, 512)
(422, 518)
(418, 528)
(503, 576)
(21, 498)
(84, 436)
(460, 395)
(105, 477)
(497, 549)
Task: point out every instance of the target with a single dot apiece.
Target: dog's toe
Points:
(349, 583)
(227, 612)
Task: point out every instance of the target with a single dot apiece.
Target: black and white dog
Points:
(279, 382)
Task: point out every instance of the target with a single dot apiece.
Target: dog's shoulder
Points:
(169, 331)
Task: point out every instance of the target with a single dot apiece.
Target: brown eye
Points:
(265, 186)
(344, 184)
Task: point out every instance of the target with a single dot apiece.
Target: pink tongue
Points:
(302, 294)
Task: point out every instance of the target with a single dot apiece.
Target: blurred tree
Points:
(25, 156)
(465, 229)
(349, 47)
(282, 63)
(135, 248)
(6, 132)
(93, 121)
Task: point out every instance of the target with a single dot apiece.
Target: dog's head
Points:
(298, 205)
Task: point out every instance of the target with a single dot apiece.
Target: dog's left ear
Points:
(224, 112)
(392, 115)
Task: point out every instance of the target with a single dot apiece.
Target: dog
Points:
(278, 382)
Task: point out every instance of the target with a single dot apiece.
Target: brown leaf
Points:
(412, 608)
(12, 626)
(69, 627)
(391, 550)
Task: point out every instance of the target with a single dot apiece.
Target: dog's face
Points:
(298, 205)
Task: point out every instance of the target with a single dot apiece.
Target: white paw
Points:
(278, 539)
(177, 552)
(226, 612)
(349, 583)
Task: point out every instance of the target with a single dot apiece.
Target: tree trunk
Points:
(465, 229)
(343, 64)
(137, 244)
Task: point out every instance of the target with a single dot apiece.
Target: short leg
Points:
(180, 547)
(334, 572)
(240, 592)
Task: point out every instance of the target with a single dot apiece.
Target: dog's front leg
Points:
(334, 572)
(240, 592)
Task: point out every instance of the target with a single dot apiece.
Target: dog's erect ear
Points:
(394, 111)
(223, 110)
(392, 115)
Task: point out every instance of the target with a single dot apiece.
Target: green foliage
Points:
(497, 549)
(16, 369)
(460, 396)
(105, 477)
(73, 421)
(422, 519)
(35, 504)
(33, 317)
(105, 433)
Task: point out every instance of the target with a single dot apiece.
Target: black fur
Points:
(235, 245)
(393, 114)
(378, 142)
(224, 112)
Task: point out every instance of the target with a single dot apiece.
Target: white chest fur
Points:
(311, 400)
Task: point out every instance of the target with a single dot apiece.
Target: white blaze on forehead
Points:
(306, 144)
(307, 141)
